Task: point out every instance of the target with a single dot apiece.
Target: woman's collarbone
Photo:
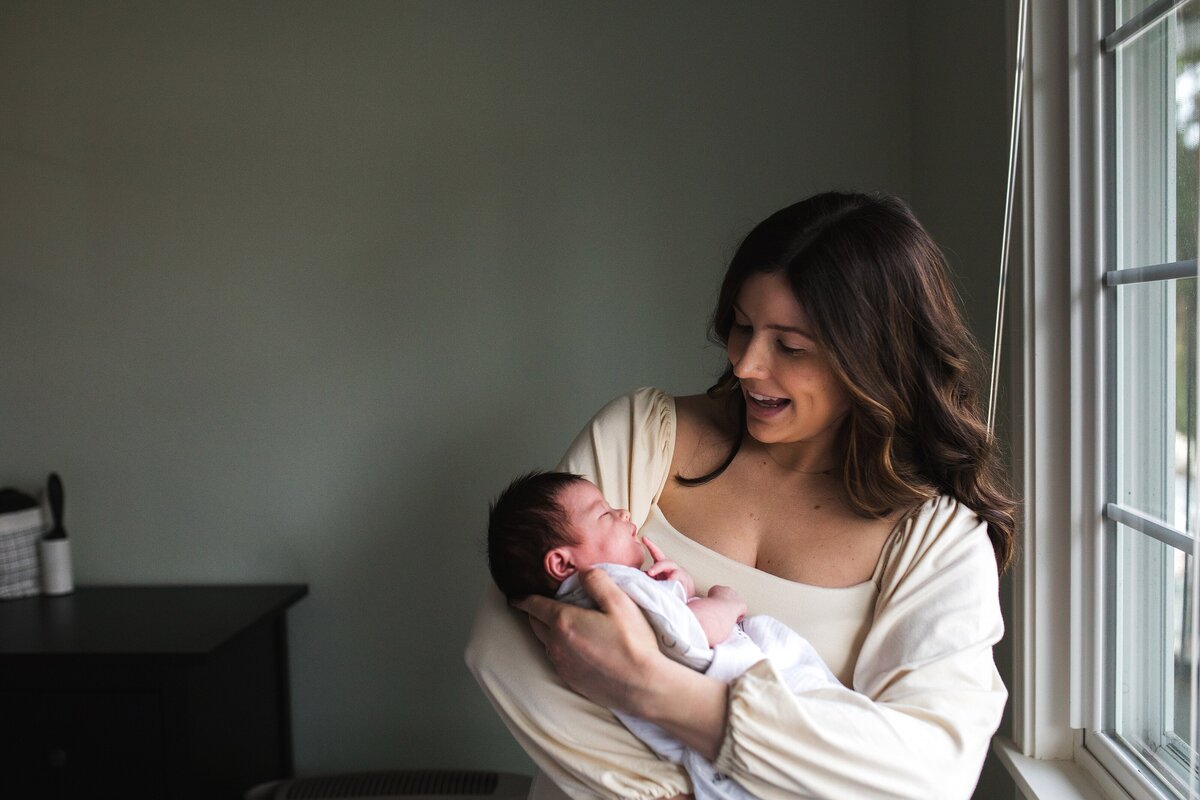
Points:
(808, 537)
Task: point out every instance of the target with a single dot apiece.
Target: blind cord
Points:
(1014, 148)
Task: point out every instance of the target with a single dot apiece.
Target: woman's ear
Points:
(559, 564)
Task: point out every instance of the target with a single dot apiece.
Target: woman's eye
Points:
(792, 351)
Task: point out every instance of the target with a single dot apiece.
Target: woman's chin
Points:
(769, 424)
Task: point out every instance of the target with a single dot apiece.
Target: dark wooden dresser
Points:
(145, 692)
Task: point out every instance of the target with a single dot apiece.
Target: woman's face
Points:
(791, 392)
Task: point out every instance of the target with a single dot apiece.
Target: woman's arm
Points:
(579, 745)
(610, 656)
(925, 702)
(626, 451)
(926, 696)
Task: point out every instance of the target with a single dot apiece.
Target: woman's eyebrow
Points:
(789, 329)
(783, 328)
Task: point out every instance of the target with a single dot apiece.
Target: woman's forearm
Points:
(581, 746)
(611, 656)
(687, 704)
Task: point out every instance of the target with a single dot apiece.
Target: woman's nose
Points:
(752, 363)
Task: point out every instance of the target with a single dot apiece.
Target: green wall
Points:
(289, 290)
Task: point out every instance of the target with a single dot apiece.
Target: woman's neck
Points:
(806, 458)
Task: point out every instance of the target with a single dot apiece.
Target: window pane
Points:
(1127, 8)
(1187, 129)
(1156, 445)
(1154, 699)
(1158, 136)
(1181, 603)
(1153, 180)
(1187, 485)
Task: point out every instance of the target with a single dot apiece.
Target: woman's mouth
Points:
(766, 401)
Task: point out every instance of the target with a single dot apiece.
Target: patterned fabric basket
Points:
(19, 568)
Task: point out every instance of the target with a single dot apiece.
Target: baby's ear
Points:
(559, 564)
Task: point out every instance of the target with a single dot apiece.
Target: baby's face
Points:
(604, 533)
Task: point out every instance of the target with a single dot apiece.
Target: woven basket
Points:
(19, 568)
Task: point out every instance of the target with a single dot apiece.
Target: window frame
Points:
(1058, 404)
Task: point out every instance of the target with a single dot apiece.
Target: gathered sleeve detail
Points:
(578, 744)
(626, 450)
(926, 697)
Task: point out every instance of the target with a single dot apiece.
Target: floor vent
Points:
(408, 784)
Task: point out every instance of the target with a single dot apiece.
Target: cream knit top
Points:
(912, 647)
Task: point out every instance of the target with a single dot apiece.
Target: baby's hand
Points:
(728, 594)
(724, 593)
(664, 569)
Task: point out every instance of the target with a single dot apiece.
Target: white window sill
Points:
(1039, 779)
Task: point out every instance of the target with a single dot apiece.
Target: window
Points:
(1105, 402)
(1150, 68)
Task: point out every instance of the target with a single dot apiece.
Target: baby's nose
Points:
(623, 514)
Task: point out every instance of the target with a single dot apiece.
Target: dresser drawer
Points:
(81, 744)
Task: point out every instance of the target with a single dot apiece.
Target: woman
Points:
(839, 477)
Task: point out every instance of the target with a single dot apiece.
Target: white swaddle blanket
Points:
(681, 638)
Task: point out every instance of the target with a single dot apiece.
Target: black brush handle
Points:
(54, 491)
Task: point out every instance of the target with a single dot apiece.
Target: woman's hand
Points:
(610, 655)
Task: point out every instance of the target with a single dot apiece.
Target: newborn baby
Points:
(548, 527)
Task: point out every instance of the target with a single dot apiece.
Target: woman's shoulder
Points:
(699, 411)
(702, 434)
(639, 424)
(647, 405)
(944, 514)
(940, 533)
(625, 449)
(695, 411)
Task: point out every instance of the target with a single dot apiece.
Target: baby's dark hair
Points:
(524, 523)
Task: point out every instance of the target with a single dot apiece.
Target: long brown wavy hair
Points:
(876, 291)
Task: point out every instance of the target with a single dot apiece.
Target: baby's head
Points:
(547, 526)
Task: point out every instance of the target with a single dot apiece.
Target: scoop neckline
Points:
(876, 572)
(733, 563)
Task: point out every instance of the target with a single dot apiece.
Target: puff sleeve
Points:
(926, 698)
(626, 451)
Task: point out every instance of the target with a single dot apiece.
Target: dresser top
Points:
(180, 621)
